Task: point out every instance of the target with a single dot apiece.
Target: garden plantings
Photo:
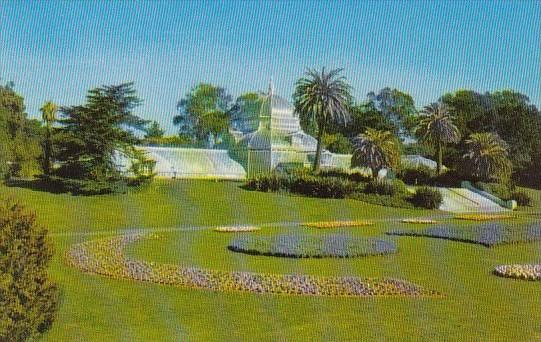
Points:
(525, 272)
(419, 221)
(426, 197)
(105, 257)
(483, 217)
(309, 246)
(236, 229)
(487, 234)
(337, 224)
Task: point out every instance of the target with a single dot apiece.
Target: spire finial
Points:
(271, 87)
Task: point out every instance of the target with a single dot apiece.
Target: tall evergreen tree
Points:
(92, 134)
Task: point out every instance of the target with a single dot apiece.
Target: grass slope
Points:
(94, 308)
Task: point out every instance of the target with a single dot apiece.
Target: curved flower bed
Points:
(337, 224)
(236, 229)
(526, 272)
(105, 257)
(309, 246)
(487, 234)
(419, 221)
(483, 217)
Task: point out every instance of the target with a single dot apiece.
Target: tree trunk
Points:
(320, 134)
(440, 158)
(47, 152)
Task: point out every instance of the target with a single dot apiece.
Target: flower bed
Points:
(236, 229)
(487, 234)
(483, 217)
(419, 221)
(307, 246)
(525, 272)
(105, 257)
(337, 224)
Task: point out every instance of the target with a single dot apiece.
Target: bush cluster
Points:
(500, 190)
(428, 198)
(417, 176)
(522, 198)
(304, 184)
(385, 187)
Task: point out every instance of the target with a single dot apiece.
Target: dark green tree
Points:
(154, 131)
(28, 299)
(92, 134)
(245, 112)
(204, 113)
(20, 138)
(508, 114)
(396, 107)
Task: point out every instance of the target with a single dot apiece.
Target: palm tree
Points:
(48, 111)
(376, 150)
(437, 129)
(322, 97)
(487, 157)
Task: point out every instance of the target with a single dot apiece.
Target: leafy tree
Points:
(20, 138)
(28, 299)
(204, 113)
(337, 143)
(48, 111)
(245, 112)
(376, 150)
(506, 113)
(322, 97)
(437, 129)
(397, 107)
(487, 157)
(154, 131)
(92, 134)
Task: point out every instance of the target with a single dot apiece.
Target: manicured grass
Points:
(477, 306)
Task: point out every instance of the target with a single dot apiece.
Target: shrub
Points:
(522, 198)
(354, 176)
(421, 175)
(28, 299)
(385, 187)
(268, 182)
(500, 190)
(324, 187)
(428, 198)
(384, 200)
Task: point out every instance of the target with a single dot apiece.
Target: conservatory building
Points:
(279, 141)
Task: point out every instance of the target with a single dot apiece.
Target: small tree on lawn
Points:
(487, 157)
(28, 299)
(376, 150)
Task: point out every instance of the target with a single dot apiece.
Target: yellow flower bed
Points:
(483, 217)
(337, 224)
(236, 229)
(419, 221)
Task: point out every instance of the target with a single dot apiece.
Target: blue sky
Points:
(59, 50)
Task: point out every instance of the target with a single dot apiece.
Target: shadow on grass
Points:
(41, 185)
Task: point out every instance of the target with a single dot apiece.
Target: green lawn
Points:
(477, 306)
